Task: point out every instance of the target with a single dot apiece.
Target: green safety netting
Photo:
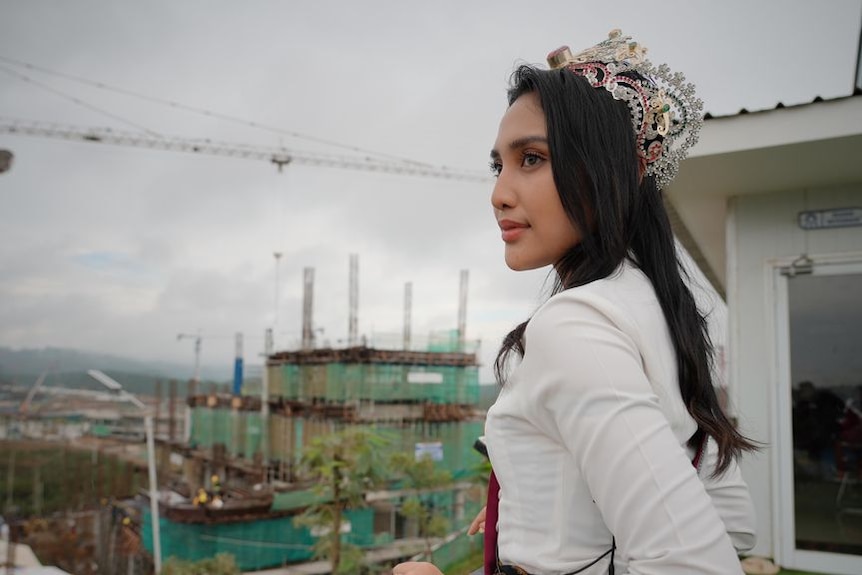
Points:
(299, 499)
(341, 382)
(444, 341)
(451, 440)
(254, 544)
(240, 432)
(271, 542)
(457, 550)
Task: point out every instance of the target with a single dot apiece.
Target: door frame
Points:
(783, 516)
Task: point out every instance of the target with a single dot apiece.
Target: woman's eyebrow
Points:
(520, 143)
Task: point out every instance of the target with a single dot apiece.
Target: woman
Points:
(594, 433)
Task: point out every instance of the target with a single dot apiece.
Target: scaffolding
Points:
(341, 382)
(363, 374)
(422, 401)
(241, 432)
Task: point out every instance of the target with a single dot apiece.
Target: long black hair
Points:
(620, 214)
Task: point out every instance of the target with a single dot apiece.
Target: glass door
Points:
(820, 417)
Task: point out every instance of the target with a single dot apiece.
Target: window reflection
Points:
(826, 371)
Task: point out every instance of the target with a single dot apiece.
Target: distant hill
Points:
(135, 383)
(68, 368)
(64, 359)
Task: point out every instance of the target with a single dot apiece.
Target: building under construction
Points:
(424, 400)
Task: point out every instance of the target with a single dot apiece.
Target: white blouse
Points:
(587, 439)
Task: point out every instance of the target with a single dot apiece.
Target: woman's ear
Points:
(641, 168)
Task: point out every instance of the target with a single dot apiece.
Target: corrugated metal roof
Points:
(781, 105)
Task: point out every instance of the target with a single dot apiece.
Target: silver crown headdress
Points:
(666, 114)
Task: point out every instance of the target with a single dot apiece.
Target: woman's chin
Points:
(520, 265)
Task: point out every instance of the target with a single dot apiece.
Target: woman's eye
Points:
(531, 160)
(496, 168)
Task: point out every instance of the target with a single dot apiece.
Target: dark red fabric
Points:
(699, 455)
(491, 524)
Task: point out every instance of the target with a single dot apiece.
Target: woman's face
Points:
(534, 226)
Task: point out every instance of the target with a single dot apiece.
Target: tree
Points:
(343, 466)
(221, 564)
(423, 476)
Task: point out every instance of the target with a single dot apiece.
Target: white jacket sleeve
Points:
(731, 498)
(594, 397)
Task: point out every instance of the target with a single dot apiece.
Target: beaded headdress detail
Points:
(666, 114)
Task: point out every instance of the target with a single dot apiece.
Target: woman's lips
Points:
(511, 230)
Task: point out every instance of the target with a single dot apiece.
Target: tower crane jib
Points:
(278, 156)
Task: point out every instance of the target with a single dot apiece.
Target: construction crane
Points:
(24, 408)
(115, 391)
(278, 156)
(198, 339)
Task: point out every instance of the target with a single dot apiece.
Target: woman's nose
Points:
(502, 196)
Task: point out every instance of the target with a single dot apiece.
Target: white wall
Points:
(760, 228)
(710, 303)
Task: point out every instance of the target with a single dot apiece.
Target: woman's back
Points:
(585, 438)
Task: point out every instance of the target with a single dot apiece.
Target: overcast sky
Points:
(118, 249)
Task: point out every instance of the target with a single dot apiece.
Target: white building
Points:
(770, 206)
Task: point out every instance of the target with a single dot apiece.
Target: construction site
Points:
(131, 472)
(229, 476)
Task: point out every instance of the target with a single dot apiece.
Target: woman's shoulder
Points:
(618, 298)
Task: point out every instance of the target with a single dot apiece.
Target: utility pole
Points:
(154, 494)
(123, 395)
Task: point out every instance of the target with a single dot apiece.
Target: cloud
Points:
(119, 249)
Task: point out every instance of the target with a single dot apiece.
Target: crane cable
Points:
(75, 100)
(203, 111)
